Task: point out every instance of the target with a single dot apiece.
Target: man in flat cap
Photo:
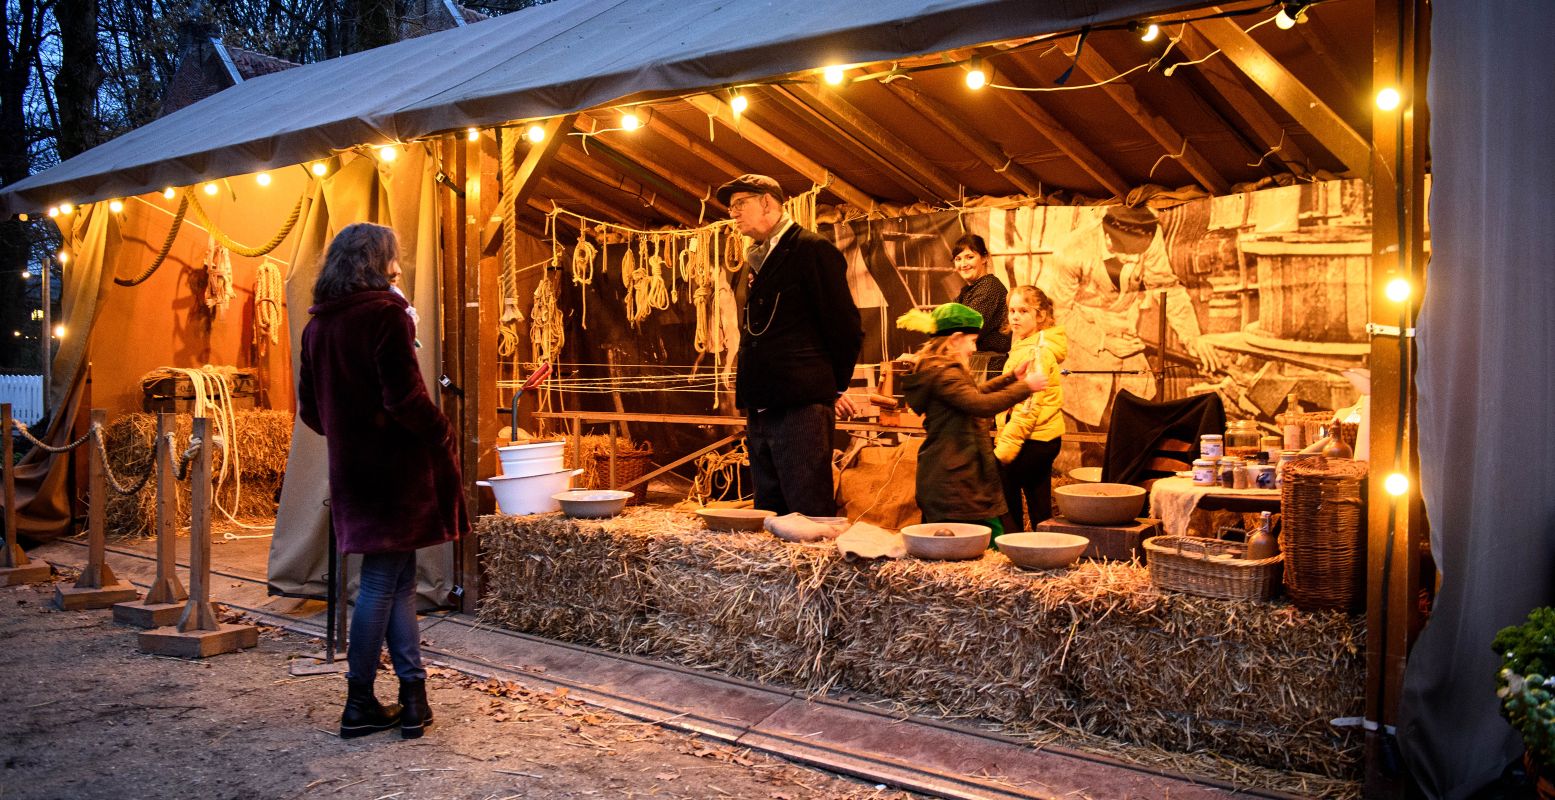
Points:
(1110, 269)
(799, 338)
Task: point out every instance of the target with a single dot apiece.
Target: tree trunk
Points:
(75, 87)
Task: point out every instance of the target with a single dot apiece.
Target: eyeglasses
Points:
(738, 203)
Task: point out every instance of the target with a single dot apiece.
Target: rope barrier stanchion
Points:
(98, 587)
(335, 604)
(164, 602)
(198, 634)
(15, 567)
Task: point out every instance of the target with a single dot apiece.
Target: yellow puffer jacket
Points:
(1039, 417)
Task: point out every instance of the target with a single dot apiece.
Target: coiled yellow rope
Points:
(227, 242)
(167, 246)
(268, 292)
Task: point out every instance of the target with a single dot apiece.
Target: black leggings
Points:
(1031, 475)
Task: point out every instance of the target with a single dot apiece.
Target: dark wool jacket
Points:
(958, 478)
(394, 481)
(987, 296)
(799, 330)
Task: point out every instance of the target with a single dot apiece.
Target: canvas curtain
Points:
(403, 196)
(1487, 454)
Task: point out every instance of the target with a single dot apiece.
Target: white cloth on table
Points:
(1172, 500)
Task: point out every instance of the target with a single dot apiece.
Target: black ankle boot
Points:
(364, 714)
(417, 716)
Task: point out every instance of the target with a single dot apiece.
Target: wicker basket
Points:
(1323, 537)
(1210, 568)
(630, 465)
(1313, 422)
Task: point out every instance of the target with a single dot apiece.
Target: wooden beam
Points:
(539, 156)
(987, 152)
(1310, 32)
(670, 189)
(780, 150)
(588, 168)
(1164, 133)
(694, 146)
(480, 302)
(1290, 94)
(1223, 81)
(1030, 110)
(916, 173)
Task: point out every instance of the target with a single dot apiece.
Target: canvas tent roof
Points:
(555, 58)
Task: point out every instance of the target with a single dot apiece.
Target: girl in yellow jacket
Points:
(1030, 438)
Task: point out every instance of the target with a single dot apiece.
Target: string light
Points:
(168, 193)
(263, 179)
(59, 331)
(1396, 484)
(210, 189)
(833, 75)
(64, 257)
(1388, 99)
(535, 134)
(1150, 33)
(1398, 290)
(976, 76)
(53, 211)
(630, 122)
(26, 273)
(738, 104)
(66, 209)
(22, 217)
(318, 168)
(1290, 14)
(387, 153)
(116, 206)
(472, 134)
(16, 333)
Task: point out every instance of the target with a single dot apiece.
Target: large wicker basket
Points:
(1323, 535)
(630, 465)
(1210, 568)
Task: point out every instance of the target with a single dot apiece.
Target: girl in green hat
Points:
(958, 478)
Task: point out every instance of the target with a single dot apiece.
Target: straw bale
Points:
(263, 443)
(1095, 653)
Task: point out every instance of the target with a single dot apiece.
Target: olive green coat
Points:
(958, 478)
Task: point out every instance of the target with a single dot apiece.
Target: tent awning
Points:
(555, 58)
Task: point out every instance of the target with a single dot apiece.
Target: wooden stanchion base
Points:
(148, 615)
(69, 598)
(170, 641)
(35, 572)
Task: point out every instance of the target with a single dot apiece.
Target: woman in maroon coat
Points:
(393, 479)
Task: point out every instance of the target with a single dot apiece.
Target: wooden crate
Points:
(1109, 542)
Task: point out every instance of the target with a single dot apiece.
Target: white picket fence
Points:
(25, 394)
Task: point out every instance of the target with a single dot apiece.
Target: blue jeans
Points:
(386, 608)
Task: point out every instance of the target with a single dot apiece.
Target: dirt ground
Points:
(87, 715)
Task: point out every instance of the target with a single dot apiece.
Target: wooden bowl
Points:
(592, 503)
(1042, 550)
(1086, 474)
(734, 519)
(1100, 503)
(946, 541)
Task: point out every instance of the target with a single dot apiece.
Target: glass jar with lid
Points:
(1242, 439)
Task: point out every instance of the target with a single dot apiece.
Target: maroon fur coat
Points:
(394, 482)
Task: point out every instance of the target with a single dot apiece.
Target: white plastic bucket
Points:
(532, 467)
(529, 494)
(533, 451)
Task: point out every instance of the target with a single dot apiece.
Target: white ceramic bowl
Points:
(1041, 549)
(1086, 474)
(514, 453)
(532, 466)
(592, 503)
(529, 494)
(946, 541)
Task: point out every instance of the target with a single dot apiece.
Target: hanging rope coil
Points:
(268, 291)
(724, 467)
(227, 242)
(167, 246)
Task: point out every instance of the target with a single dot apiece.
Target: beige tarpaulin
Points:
(402, 195)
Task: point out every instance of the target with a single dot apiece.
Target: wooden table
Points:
(1173, 500)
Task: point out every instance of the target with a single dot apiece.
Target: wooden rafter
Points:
(780, 150)
(694, 146)
(891, 154)
(987, 152)
(539, 157)
(1309, 32)
(1030, 110)
(626, 154)
(576, 163)
(1164, 133)
(647, 196)
(1289, 93)
(1223, 80)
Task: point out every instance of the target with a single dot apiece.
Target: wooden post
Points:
(197, 633)
(98, 587)
(15, 567)
(164, 600)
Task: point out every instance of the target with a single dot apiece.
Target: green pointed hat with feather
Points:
(943, 320)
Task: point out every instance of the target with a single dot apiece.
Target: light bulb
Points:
(22, 217)
(116, 206)
(739, 104)
(59, 331)
(1397, 290)
(53, 211)
(263, 179)
(1388, 99)
(1284, 21)
(1151, 33)
(64, 257)
(210, 189)
(66, 209)
(833, 75)
(16, 333)
(1396, 484)
(976, 78)
(319, 168)
(168, 193)
(26, 273)
(535, 134)
(629, 121)
(473, 135)
(387, 153)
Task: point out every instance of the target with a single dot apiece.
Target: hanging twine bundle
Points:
(268, 290)
(218, 278)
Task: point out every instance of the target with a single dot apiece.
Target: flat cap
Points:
(758, 184)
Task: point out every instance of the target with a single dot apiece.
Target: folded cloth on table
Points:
(797, 527)
(864, 540)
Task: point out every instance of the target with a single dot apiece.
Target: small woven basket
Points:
(1323, 535)
(1210, 568)
(1312, 423)
(630, 465)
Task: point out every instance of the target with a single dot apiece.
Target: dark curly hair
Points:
(358, 261)
(971, 242)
